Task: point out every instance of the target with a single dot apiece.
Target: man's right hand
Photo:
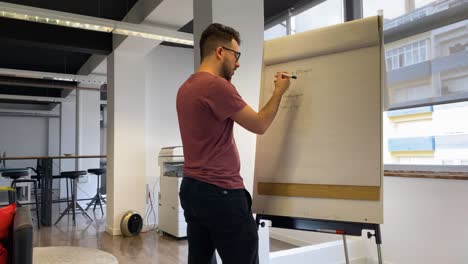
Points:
(281, 83)
(258, 123)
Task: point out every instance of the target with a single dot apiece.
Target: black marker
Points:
(290, 75)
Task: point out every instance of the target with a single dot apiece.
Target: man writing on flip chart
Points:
(216, 205)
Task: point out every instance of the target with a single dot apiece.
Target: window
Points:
(434, 135)
(426, 73)
(427, 68)
(280, 30)
(405, 19)
(325, 14)
(406, 55)
(421, 3)
(438, 72)
(417, 160)
(391, 9)
(399, 12)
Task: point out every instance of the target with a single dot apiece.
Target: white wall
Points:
(425, 221)
(23, 136)
(53, 136)
(248, 77)
(88, 139)
(166, 69)
(68, 138)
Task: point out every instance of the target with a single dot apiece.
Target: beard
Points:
(226, 71)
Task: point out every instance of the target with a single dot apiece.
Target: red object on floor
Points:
(3, 255)
(6, 220)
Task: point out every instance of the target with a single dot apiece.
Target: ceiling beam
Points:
(83, 80)
(16, 112)
(30, 34)
(32, 98)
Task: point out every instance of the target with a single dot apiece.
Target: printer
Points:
(170, 212)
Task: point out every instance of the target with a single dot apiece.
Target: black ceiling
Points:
(48, 48)
(40, 47)
(109, 9)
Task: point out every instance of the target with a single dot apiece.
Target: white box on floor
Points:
(170, 212)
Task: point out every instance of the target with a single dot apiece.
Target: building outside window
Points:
(327, 13)
(425, 68)
(407, 55)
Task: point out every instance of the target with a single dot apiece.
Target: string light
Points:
(38, 15)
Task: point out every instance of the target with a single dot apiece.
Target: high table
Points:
(45, 165)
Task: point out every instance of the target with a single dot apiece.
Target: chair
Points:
(73, 205)
(38, 177)
(15, 176)
(97, 199)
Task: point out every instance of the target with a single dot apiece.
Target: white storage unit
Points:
(170, 212)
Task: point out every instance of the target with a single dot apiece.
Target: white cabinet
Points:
(170, 212)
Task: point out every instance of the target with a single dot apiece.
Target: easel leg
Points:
(345, 249)
(378, 241)
(379, 253)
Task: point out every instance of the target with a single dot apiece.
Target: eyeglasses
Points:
(236, 53)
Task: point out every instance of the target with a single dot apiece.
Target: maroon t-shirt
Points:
(205, 103)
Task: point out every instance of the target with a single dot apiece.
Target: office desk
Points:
(45, 166)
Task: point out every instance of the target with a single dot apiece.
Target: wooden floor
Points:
(149, 247)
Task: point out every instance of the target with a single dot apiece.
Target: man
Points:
(216, 205)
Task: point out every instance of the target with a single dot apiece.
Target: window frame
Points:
(353, 9)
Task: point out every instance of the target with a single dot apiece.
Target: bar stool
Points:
(15, 176)
(73, 205)
(97, 199)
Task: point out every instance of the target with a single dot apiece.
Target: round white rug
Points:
(71, 255)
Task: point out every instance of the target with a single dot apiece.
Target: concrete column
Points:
(126, 173)
(248, 77)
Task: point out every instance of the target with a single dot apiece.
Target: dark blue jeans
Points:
(219, 219)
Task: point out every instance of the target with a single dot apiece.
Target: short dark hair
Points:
(216, 35)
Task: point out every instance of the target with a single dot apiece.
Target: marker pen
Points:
(289, 75)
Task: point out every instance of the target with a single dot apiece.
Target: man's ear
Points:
(219, 52)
